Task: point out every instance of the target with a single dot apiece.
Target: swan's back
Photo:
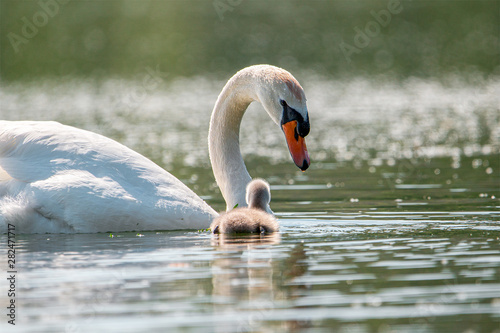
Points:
(56, 178)
(31, 151)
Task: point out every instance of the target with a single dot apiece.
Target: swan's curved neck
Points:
(223, 138)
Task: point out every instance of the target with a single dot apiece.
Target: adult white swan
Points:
(60, 179)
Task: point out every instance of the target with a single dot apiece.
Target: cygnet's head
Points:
(258, 194)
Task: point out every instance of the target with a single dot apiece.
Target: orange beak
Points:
(296, 145)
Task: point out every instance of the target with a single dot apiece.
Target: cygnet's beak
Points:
(296, 144)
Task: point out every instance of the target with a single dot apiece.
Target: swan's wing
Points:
(73, 171)
(31, 151)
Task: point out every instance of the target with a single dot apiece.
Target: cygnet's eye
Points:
(283, 103)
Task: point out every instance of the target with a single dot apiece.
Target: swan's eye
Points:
(283, 103)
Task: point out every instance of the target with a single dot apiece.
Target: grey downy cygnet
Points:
(253, 219)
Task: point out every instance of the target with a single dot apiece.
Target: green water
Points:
(397, 260)
(405, 246)
(393, 228)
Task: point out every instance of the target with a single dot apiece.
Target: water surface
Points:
(394, 228)
(437, 273)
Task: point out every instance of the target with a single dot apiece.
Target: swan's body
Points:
(56, 178)
(253, 219)
(72, 180)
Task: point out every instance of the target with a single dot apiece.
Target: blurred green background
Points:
(188, 37)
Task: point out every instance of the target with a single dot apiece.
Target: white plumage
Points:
(58, 178)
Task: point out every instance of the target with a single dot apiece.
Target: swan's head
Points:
(284, 100)
(258, 194)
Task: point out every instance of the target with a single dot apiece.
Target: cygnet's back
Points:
(253, 219)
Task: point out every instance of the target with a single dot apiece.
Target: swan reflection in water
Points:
(249, 283)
